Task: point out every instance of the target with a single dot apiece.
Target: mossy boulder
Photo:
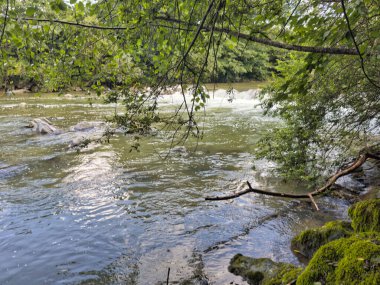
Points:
(263, 271)
(352, 260)
(308, 242)
(365, 215)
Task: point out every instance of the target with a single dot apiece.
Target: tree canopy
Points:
(323, 55)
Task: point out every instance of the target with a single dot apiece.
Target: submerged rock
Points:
(353, 260)
(308, 242)
(20, 91)
(43, 126)
(85, 126)
(68, 96)
(263, 271)
(84, 141)
(365, 215)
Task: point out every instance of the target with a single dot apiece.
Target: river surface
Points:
(109, 215)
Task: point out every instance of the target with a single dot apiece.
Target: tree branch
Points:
(330, 182)
(70, 23)
(198, 31)
(268, 42)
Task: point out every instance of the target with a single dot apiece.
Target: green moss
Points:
(284, 275)
(341, 255)
(353, 260)
(365, 215)
(310, 240)
(251, 269)
(263, 271)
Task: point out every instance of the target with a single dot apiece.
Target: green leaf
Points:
(30, 11)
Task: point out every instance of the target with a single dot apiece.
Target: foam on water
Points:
(220, 98)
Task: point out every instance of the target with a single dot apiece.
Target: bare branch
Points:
(330, 182)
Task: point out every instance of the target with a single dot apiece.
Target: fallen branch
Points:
(330, 182)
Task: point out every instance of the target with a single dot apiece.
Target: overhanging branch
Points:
(268, 42)
(252, 38)
(56, 21)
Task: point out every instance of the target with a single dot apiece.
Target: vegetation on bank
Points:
(339, 253)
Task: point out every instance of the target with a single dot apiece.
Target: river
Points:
(109, 215)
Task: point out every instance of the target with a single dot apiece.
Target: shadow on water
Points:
(106, 215)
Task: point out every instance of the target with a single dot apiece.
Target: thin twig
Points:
(198, 32)
(357, 46)
(167, 278)
(287, 21)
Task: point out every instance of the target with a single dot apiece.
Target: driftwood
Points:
(330, 182)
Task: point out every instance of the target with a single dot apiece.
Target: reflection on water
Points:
(106, 215)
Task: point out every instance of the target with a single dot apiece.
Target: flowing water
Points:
(109, 215)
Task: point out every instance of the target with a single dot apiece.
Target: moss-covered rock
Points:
(342, 253)
(263, 271)
(310, 240)
(352, 260)
(365, 215)
(285, 274)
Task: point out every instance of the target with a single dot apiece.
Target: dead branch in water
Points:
(330, 182)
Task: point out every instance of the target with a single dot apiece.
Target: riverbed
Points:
(108, 214)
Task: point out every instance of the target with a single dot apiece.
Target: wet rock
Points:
(352, 182)
(9, 171)
(20, 91)
(263, 271)
(180, 151)
(353, 260)
(68, 96)
(194, 281)
(85, 126)
(308, 242)
(349, 260)
(43, 126)
(365, 215)
(84, 141)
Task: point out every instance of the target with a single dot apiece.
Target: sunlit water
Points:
(106, 215)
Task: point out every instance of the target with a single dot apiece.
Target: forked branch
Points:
(330, 182)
